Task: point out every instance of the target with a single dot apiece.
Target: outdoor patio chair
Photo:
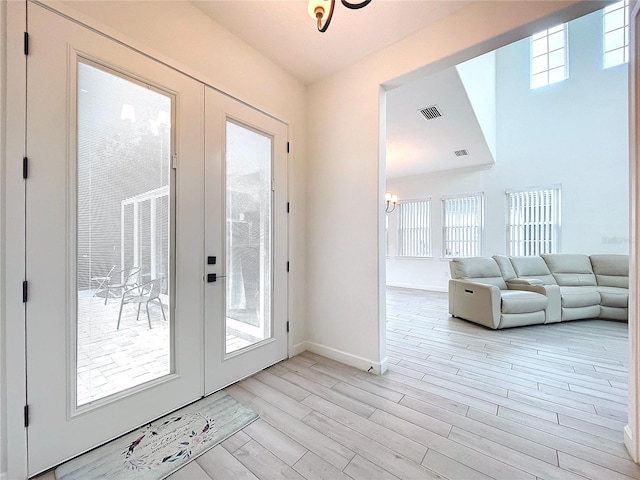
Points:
(103, 283)
(142, 294)
(132, 279)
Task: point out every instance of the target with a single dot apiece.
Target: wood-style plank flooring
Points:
(459, 402)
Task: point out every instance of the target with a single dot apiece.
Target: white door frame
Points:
(632, 428)
(14, 311)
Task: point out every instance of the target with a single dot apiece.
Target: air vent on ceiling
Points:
(431, 112)
(461, 153)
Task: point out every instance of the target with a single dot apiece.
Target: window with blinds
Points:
(462, 222)
(414, 228)
(533, 221)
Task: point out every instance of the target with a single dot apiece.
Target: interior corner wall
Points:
(3, 122)
(345, 193)
(573, 133)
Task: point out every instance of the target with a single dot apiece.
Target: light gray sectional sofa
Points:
(502, 292)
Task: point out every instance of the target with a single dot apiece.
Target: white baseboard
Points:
(360, 363)
(298, 348)
(630, 443)
(431, 288)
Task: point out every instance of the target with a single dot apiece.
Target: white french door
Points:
(142, 184)
(245, 240)
(108, 217)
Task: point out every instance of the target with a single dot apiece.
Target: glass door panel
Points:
(106, 214)
(248, 166)
(245, 293)
(124, 228)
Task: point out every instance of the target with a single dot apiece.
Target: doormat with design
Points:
(155, 451)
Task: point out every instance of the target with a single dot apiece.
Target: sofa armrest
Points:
(477, 302)
(552, 292)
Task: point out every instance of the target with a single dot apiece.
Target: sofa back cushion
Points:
(611, 270)
(506, 269)
(532, 267)
(570, 269)
(477, 269)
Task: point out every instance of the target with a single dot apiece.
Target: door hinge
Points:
(287, 266)
(25, 167)
(174, 161)
(273, 185)
(26, 416)
(25, 287)
(287, 147)
(287, 207)
(26, 43)
(287, 325)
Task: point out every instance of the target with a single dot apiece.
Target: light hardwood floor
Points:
(459, 401)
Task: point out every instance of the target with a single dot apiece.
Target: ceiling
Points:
(417, 146)
(284, 32)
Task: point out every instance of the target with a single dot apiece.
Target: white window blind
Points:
(615, 19)
(414, 228)
(533, 221)
(462, 219)
(549, 56)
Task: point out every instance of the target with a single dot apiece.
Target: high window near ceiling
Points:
(462, 224)
(549, 56)
(533, 221)
(615, 37)
(414, 228)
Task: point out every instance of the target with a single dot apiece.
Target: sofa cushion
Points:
(505, 267)
(518, 301)
(614, 297)
(613, 313)
(581, 313)
(532, 267)
(477, 269)
(573, 297)
(570, 269)
(611, 270)
(508, 320)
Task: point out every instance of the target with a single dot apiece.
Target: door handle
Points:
(212, 277)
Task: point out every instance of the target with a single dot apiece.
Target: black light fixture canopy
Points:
(322, 11)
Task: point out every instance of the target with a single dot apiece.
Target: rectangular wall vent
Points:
(461, 153)
(431, 112)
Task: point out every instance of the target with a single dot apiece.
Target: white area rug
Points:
(155, 451)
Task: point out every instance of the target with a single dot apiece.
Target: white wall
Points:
(345, 216)
(574, 133)
(478, 76)
(3, 109)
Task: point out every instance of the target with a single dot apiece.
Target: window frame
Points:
(609, 10)
(480, 223)
(429, 228)
(565, 47)
(556, 227)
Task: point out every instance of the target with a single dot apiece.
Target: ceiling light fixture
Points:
(322, 11)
